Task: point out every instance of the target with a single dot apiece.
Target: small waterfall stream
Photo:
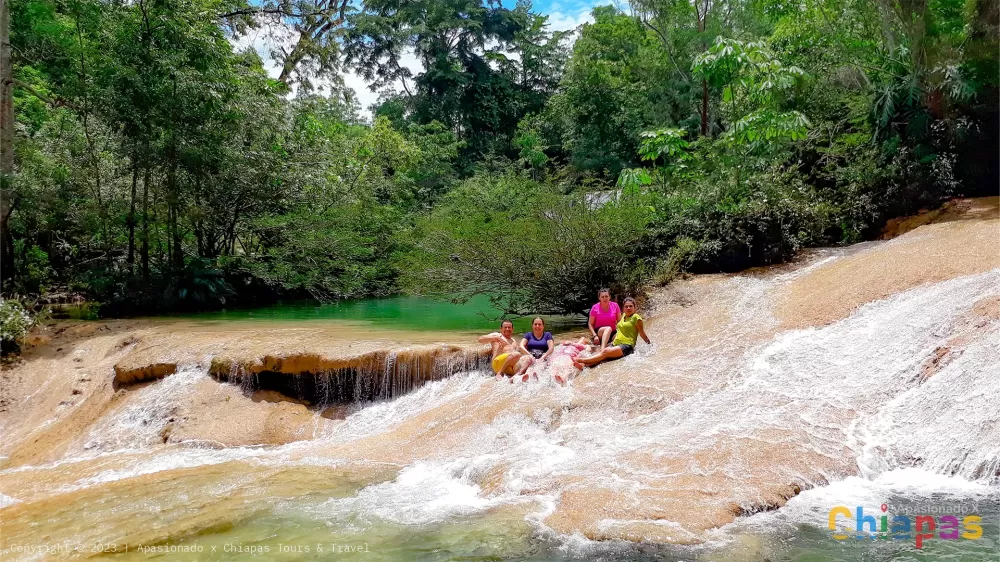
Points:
(732, 438)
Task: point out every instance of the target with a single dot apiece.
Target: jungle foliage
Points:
(154, 157)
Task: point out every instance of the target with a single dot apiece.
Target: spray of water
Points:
(667, 444)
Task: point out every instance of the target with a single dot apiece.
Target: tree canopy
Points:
(164, 154)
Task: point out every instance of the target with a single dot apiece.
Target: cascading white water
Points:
(897, 400)
(857, 383)
(869, 367)
(141, 421)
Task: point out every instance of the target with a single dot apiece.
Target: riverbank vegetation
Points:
(151, 162)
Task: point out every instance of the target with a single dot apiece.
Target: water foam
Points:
(854, 382)
(372, 419)
(422, 494)
(140, 423)
(917, 486)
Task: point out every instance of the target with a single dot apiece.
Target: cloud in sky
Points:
(364, 95)
(568, 15)
(265, 39)
(563, 16)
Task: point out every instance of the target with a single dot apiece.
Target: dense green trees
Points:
(528, 246)
(151, 162)
(485, 67)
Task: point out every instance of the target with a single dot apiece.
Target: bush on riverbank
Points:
(15, 323)
(528, 246)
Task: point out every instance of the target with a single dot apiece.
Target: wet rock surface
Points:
(758, 387)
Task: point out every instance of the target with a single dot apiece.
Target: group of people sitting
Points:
(614, 332)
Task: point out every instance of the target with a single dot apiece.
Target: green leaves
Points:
(618, 83)
(149, 151)
(485, 67)
(768, 125)
(754, 85)
(531, 248)
(745, 69)
(633, 179)
(529, 141)
(668, 144)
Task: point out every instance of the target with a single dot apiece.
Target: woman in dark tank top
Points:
(538, 342)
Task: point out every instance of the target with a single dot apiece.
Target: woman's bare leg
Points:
(612, 352)
(605, 335)
(532, 372)
(523, 364)
(563, 378)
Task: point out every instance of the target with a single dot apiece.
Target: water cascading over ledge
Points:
(856, 376)
(380, 375)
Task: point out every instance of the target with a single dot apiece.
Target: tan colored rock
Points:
(965, 244)
(650, 491)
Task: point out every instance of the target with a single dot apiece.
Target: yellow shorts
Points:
(498, 362)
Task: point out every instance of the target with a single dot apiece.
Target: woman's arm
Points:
(590, 325)
(618, 314)
(522, 347)
(552, 347)
(642, 331)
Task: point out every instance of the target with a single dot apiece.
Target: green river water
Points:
(400, 312)
(316, 530)
(393, 522)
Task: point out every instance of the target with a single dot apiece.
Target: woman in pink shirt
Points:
(604, 316)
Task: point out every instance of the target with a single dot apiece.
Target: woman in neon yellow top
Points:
(629, 331)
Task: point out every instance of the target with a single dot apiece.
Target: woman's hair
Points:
(540, 319)
(629, 300)
(603, 290)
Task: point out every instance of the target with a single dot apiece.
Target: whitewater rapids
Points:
(855, 375)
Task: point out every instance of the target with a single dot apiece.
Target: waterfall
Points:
(371, 377)
(142, 421)
(729, 438)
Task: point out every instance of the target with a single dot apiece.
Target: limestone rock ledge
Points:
(325, 373)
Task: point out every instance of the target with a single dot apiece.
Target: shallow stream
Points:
(731, 438)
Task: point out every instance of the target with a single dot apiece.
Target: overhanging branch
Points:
(57, 102)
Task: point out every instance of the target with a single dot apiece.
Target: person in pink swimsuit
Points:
(604, 317)
(561, 361)
(564, 355)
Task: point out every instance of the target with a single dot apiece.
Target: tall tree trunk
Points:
(173, 232)
(131, 211)
(704, 107)
(7, 202)
(91, 149)
(199, 223)
(6, 93)
(986, 24)
(702, 15)
(170, 233)
(157, 228)
(231, 235)
(174, 250)
(144, 250)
